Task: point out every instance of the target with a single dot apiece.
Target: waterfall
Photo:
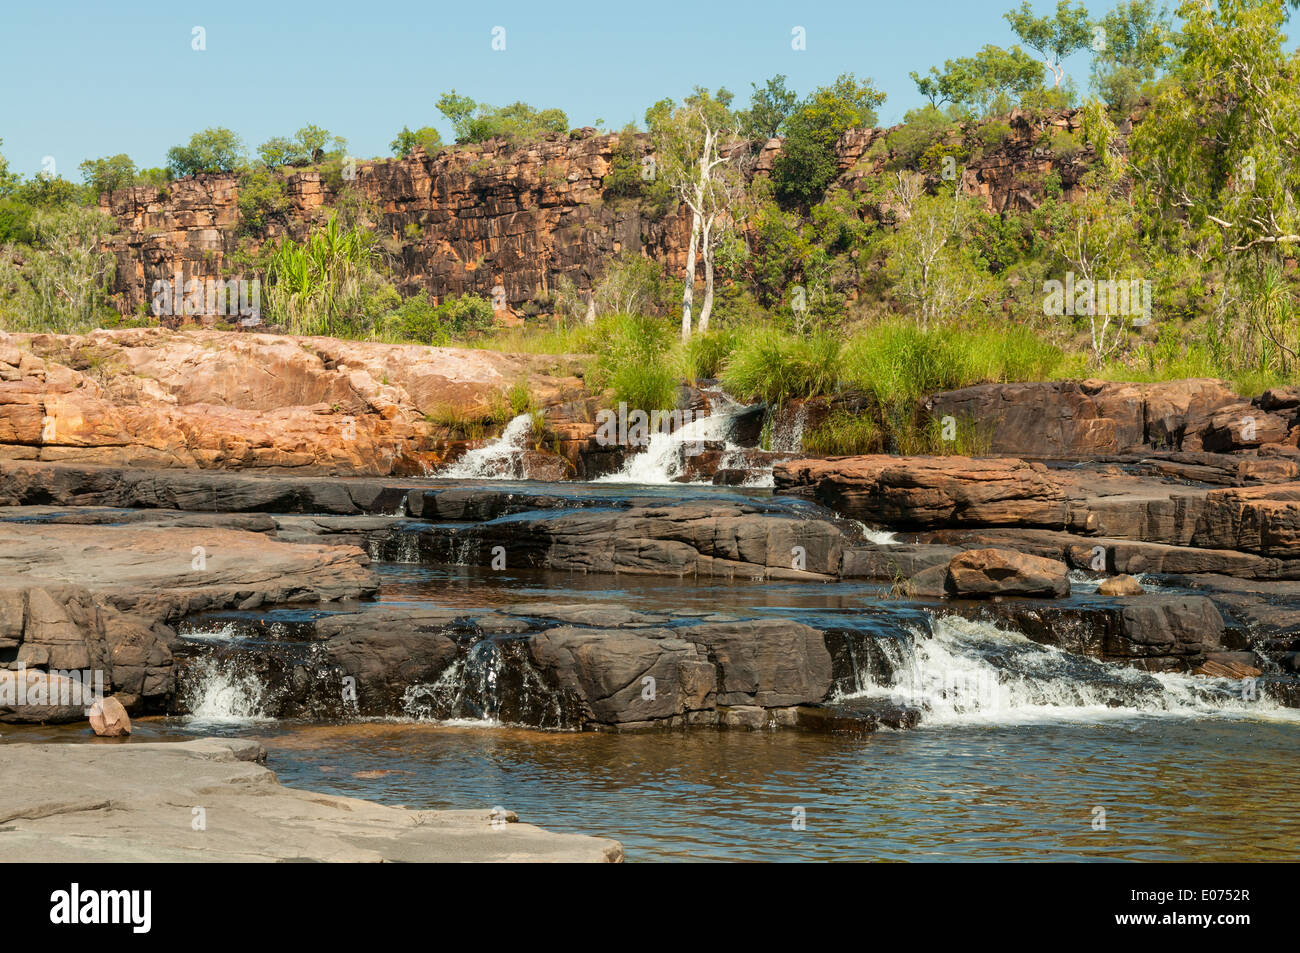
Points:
(498, 459)
(664, 458)
(972, 672)
(467, 691)
(787, 432)
(217, 692)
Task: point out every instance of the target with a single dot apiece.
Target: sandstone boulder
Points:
(109, 719)
(929, 491)
(981, 573)
(1121, 585)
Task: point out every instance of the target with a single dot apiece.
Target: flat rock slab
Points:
(131, 802)
(165, 560)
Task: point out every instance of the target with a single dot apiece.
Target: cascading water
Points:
(499, 459)
(663, 460)
(787, 433)
(972, 672)
(217, 692)
(467, 692)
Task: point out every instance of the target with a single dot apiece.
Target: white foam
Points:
(969, 672)
(499, 459)
(215, 694)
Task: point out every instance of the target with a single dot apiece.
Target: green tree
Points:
(60, 283)
(8, 180)
(808, 162)
(1218, 155)
(518, 122)
(699, 155)
(426, 137)
(459, 111)
(931, 266)
(769, 107)
(1132, 47)
(216, 149)
(108, 174)
(313, 141)
(279, 151)
(990, 81)
(1052, 37)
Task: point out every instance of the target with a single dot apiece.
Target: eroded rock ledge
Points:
(107, 597)
(136, 802)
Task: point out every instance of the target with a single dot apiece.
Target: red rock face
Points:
(489, 216)
(153, 397)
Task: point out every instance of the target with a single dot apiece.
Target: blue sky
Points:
(88, 79)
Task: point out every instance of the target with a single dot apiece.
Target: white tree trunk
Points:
(591, 310)
(688, 286)
(706, 242)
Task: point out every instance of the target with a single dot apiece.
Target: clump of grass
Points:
(637, 360)
(897, 361)
(843, 434)
(576, 339)
(705, 354)
(775, 367)
(929, 436)
(519, 397)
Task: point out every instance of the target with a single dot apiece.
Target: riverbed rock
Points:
(109, 719)
(1121, 585)
(58, 813)
(737, 540)
(209, 399)
(102, 599)
(929, 491)
(981, 573)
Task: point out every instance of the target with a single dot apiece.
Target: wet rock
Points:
(687, 539)
(28, 696)
(387, 653)
(109, 719)
(981, 573)
(770, 662)
(930, 583)
(100, 598)
(1155, 632)
(894, 562)
(1229, 665)
(748, 717)
(1121, 585)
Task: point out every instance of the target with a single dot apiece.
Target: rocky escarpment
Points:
(509, 222)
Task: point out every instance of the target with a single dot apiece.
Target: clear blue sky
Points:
(86, 79)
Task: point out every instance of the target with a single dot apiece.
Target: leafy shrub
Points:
(262, 200)
(108, 174)
(60, 283)
(425, 137)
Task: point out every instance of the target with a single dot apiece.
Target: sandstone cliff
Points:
(481, 217)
